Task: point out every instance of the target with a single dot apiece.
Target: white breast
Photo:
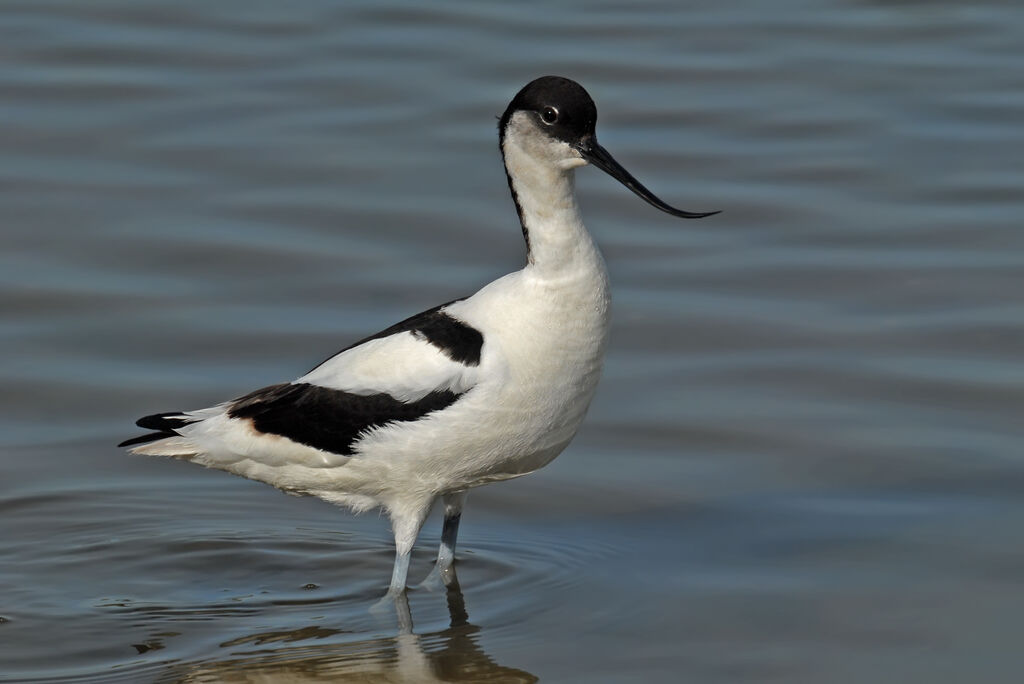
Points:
(541, 360)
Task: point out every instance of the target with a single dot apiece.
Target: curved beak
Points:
(599, 157)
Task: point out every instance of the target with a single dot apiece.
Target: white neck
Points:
(542, 177)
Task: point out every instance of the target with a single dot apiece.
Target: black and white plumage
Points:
(474, 391)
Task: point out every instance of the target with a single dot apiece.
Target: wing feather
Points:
(421, 365)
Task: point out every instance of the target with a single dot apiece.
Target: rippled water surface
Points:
(804, 462)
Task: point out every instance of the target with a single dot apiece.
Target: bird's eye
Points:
(549, 115)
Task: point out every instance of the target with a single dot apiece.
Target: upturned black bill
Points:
(599, 157)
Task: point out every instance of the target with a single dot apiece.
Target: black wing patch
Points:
(459, 342)
(325, 418)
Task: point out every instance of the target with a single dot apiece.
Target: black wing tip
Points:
(146, 439)
(164, 422)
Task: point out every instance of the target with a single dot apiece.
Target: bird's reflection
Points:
(401, 658)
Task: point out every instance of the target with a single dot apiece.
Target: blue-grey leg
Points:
(406, 524)
(453, 504)
(399, 573)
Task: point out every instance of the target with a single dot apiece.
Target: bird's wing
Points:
(429, 352)
(418, 366)
(421, 365)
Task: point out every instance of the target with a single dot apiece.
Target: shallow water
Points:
(803, 463)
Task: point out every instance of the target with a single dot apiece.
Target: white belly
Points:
(540, 363)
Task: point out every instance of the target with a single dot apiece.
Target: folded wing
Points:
(421, 365)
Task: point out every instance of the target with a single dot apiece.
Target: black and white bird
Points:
(477, 390)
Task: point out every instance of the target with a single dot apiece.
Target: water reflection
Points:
(452, 654)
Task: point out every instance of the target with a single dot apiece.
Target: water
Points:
(804, 460)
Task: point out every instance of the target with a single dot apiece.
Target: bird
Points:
(477, 390)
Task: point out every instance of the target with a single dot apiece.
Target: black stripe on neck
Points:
(502, 125)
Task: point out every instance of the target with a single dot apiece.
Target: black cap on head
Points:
(565, 111)
(562, 107)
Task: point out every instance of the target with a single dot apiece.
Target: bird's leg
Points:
(400, 572)
(406, 525)
(449, 533)
(443, 573)
(399, 602)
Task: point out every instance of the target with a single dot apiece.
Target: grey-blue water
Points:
(804, 463)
